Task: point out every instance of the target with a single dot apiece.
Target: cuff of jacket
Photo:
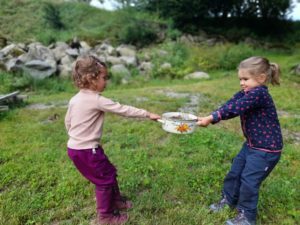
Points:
(216, 117)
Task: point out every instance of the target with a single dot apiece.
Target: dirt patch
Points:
(43, 106)
(142, 99)
(285, 114)
(289, 135)
(194, 103)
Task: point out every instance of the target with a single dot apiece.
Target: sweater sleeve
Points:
(238, 106)
(107, 105)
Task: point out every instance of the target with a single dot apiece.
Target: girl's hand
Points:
(153, 116)
(204, 121)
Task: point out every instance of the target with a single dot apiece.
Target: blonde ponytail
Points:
(275, 73)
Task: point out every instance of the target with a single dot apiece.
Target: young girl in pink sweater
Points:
(84, 124)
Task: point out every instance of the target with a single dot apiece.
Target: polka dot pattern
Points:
(259, 120)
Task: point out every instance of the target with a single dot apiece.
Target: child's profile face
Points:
(248, 81)
(102, 80)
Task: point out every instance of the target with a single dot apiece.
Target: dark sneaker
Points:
(240, 219)
(217, 207)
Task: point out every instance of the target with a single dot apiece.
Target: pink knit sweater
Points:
(85, 116)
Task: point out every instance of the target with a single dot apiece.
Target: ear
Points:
(262, 78)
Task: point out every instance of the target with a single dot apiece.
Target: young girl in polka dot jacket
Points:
(262, 148)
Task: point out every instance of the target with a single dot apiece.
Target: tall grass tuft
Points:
(52, 16)
(24, 82)
(225, 56)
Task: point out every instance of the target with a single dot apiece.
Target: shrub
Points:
(238, 33)
(204, 57)
(52, 16)
(138, 32)
(225, 57)
(177, 55)
(11, 82)
(6, 81)
(172, 32)
(233, 55)
(139, 28)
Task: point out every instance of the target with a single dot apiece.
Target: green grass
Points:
(18, 26)
(78, 20)
(171, 179)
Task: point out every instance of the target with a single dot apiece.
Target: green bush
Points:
(52, 16)
(169, 73)
(172, 32)
(233, 55)
(51, 85)
(138, 27)
(203, 58)
(225, 56)
(6, 81)
(177, 55)
(11, 82)
(138, 32)
(238, 33)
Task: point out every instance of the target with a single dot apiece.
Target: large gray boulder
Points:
(39, 62)
(120, 72)
(13, 65)
(145, 67)
(104, 49)
(39, 69)
(59, 50)
(129, 60)
(74, 52)
(13, 50)
(113, 60)
(65, 66)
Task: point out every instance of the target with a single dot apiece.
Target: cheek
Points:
(103, 83)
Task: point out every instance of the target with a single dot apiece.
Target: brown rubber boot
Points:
(113, 219)
(106, 210)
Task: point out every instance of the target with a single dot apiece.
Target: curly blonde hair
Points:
(86, 72)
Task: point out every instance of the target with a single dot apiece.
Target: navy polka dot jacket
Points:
(258, 116)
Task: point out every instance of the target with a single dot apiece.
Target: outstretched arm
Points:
(107, 105)
(236, 106)
(249, 101)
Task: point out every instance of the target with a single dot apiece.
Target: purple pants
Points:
(94, 166)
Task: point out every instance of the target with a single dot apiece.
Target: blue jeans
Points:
(241, 185)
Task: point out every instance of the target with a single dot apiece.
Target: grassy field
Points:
(76, 19)
(172, 179)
